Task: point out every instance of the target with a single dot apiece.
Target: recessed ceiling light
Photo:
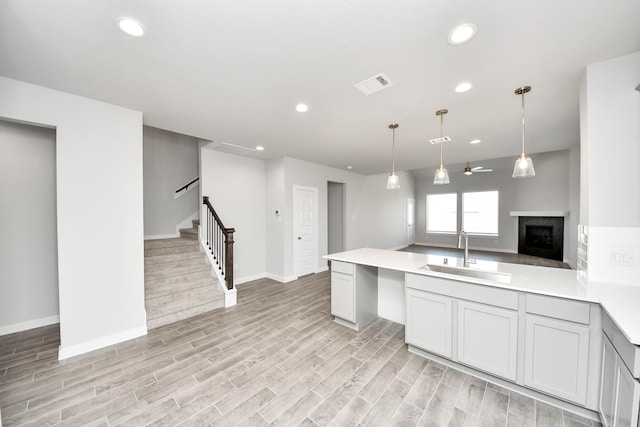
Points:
(259, 147)
(475, 141)
(130, 26)
(462, 34)
(463, 87)
(349, 167)
(302, 108)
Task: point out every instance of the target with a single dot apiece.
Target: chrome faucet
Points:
(463, 234)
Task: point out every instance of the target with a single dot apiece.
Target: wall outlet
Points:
(623, 257)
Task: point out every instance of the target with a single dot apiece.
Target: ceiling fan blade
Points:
(484, 170)
(476, 168)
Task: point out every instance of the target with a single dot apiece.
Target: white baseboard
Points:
(75, 350)
(161, 236)
(251, 278)
(322, 269)
(30, 324)
(281, 279)
(395, 248)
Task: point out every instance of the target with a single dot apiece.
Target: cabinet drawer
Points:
(468, 291)
(342, 267)
(558, 308)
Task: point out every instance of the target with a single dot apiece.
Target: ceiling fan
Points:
(470, 171)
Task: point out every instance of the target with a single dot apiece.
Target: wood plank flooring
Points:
(276, 358)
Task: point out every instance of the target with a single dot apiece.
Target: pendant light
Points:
(393, 182)
(524, 165)
(441, 176)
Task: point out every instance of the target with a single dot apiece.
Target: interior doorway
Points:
(305, 229)
(29, 244)
(335, 217)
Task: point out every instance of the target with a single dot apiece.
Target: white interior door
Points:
(305, 225)
(411, 221)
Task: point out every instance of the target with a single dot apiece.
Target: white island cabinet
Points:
(620, 387)
(486, 332)
(354, 294)
(557, 347)
(429, 321)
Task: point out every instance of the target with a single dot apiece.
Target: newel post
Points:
(228, 262)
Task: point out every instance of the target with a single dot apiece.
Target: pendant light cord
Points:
(393, 152)
(441, 137)
(523, 122)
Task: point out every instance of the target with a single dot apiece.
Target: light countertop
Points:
(622, 302)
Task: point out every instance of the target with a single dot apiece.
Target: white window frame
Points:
(447, 232)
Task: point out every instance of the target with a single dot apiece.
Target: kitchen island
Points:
(541, 331)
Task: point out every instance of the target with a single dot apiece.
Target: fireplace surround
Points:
(541, 236)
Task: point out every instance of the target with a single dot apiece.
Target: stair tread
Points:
(184, 314)
(172, 288)
(182, 256)
(161, 270)
(168, 243)
(189, 230)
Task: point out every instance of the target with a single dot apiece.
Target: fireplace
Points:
(541, 236)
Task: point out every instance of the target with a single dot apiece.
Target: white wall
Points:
(375, 216)
(29, 244)
(236, 188)
(99, 212)
(550, 189)
(610, 143)
(170, 161)
(610, 132)
(335, 217)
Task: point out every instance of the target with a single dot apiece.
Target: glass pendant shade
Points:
(523, 167)
(441, 176)
(393, 183)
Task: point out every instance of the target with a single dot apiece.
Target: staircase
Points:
(178, 281)
(190, 233)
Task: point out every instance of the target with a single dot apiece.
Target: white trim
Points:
(29, 324)
(249, 278)
(539, 213)
(75, 350)
(396, 248)
(161, 236)
(322, 269)
(281, 279)
(230, 295)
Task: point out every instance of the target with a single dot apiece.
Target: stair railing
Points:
(220, 242)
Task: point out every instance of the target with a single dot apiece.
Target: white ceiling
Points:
(233, 71)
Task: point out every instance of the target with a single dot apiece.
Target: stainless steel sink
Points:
(470, 272)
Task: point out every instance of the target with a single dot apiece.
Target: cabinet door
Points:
(343, 301)
(608, 383)
(556, 357)
(429, 322)
(626, 412)
(488, 338)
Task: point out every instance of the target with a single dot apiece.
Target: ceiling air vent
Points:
(440, 140)
(374, 84)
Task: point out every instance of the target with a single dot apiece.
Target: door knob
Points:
(299, 238)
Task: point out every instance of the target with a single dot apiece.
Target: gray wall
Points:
(170, 161)
(29, 243)
(553, 188)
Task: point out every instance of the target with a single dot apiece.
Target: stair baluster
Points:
(221, 246)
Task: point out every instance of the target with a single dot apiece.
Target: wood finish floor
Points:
(276, 358)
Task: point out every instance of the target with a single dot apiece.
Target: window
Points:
(480, 213)
(442, 213)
